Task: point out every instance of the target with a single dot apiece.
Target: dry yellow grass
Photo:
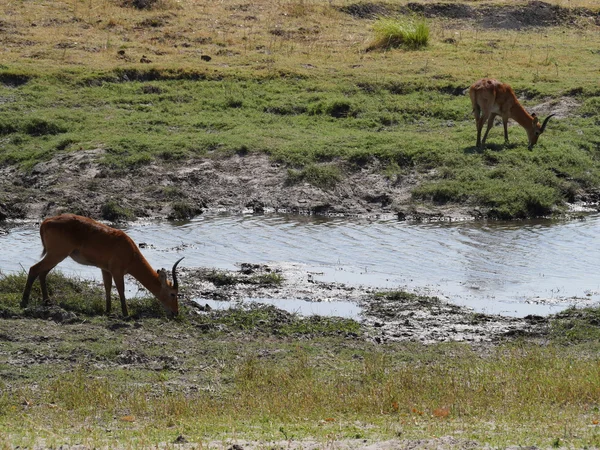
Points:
(303, 36)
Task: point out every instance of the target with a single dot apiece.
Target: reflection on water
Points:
(331, 309)
(510, 268)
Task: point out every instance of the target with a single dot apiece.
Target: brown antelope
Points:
(94, 244)
(491, 98)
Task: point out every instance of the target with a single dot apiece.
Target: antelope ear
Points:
(162, 275)
(535, 119)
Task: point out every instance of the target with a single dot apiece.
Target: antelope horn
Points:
(174, 273)
(545, 122)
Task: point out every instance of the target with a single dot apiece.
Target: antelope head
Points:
(536, 129)
(169, 292)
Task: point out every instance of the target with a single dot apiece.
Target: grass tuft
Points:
(114, 212)
(183, 210)
(411, 34)
(322, 176)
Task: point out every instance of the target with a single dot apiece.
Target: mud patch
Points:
(561, 108)
(77, 182)
(388, 316)
(55, 313)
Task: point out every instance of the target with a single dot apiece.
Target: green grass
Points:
(324, 176)
(264, 374)
(521, 395)
(318, 129)
(575, 325)
(224, 278)
(113, 211)
(78, 296)
(184, 210)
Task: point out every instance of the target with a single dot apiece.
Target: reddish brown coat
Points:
(92, 243)
(491, 98)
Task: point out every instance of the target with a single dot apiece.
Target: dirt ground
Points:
(442, 443)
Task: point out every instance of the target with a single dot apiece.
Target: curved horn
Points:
(174, 273)
(545, 122)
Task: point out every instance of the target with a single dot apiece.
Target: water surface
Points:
(515, 268)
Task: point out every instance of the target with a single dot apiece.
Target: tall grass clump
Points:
(393, 33)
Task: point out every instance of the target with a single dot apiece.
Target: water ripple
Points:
(493, 267)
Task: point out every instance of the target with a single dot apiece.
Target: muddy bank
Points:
(511, 17)
(77, 183)
(382, 315)
(387, 315)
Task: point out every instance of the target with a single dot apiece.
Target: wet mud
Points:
(387, 316)
(78, 183)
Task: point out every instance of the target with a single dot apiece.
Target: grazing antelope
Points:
(491, 98)
(94, 244)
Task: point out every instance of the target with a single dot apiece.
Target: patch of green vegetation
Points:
(511, 182)
(71, 294)
(113, 211)
(576, 325)
(405, 297)
(311, 389)
(408, 33)
(225, 278)
(35, 126)
(221, 278)
(268, 319)
(336, 108)
(417, 126)
(324, 176)
(11, 290)
(267, 279)
(172, 192)
(184, 210)
(74, 295)
(590, 107)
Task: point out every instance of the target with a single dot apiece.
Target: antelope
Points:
(491, 98)
(94, 244)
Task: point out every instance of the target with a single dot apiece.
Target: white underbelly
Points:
(495, 109)
(79, 258)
